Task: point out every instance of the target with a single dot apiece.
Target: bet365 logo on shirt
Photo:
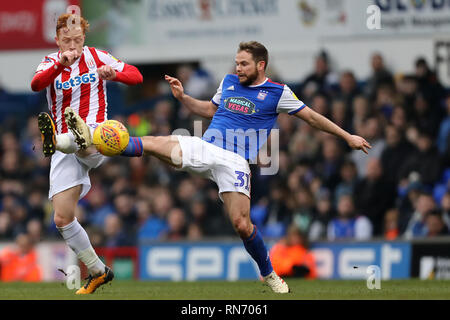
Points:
(76, 81)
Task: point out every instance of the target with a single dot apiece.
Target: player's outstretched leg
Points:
(77, 239)
(79, 128)
(238, 207)
(47, 129)
(83, 135)
(50, 140)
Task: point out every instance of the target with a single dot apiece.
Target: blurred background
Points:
(327, 210)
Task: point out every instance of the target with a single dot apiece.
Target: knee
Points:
(62, 220)
(243, 226)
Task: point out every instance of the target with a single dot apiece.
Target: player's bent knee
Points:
(62, 220)
(243, 227)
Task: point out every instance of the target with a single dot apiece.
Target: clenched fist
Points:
(68, 58)
(106, 73)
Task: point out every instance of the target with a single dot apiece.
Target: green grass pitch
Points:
(239, 290)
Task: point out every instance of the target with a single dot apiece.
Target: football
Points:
(111, 138)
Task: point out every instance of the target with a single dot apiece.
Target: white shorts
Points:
(69, 170)
(227, 169)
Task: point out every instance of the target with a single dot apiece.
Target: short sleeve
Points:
(218, 95)
(289, 103)
(111, 61)
(45, 64)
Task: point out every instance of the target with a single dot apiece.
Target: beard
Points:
(249, 79)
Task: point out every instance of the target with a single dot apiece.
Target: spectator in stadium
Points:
(347, 224)
(417, 223)
(395, 153)
(290, 256)
(338, 114)
(322, 79)
(372, 133)
(194, 232)
(384, 102)
(361, 111)
(374, 195)
(347, 91)
(380, 76)
(176, 221)
(5, 225)
(321, 103)
(19, 262)
(156, 224)
(276, 214)
(391, 230)
(34, 230)
(444, 128)
(35, 201)
(399, 119)
(323, 214)
(97, 204)
(426, 117)
(435, 224)
(330, 162)
(304, 144)
(303, 208)
(115, 233)
(198, 215)
(428, 82)
(124, 207)
(425, 160)
(196, 81)
(349, 179)
(445, 206)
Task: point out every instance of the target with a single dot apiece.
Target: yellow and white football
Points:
(111, 138)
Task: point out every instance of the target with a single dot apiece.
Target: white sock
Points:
(78, 240)
(66, 143)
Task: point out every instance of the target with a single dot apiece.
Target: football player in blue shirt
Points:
(243, 112)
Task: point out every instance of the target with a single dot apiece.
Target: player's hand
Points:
(175, 86)
(358, 143)
(68, 58)
(106, 73)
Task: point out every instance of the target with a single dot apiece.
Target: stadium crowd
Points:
(401, 189)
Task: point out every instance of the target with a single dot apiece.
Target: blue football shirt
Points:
(246, 114)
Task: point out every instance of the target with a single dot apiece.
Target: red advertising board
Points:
(30, 24)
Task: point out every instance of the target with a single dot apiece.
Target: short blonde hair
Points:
(63, 23)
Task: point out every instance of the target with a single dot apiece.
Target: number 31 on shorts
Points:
(241, 182)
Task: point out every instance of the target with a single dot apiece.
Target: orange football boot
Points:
(47, 129)
(94, 282)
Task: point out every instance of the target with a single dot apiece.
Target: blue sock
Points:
(257, 249)
(134, 148)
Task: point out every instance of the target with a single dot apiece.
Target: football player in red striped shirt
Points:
(75, 80)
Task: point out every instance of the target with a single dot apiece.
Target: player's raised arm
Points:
(289, 103)
(50, 68)
(116, 70)
(202, 108)
(320, 122)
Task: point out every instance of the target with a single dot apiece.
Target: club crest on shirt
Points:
(262, 95)
(90, 63)
(240, 105)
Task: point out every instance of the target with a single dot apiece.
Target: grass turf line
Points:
(239, 290)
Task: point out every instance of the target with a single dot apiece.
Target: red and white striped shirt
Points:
(79, 86)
